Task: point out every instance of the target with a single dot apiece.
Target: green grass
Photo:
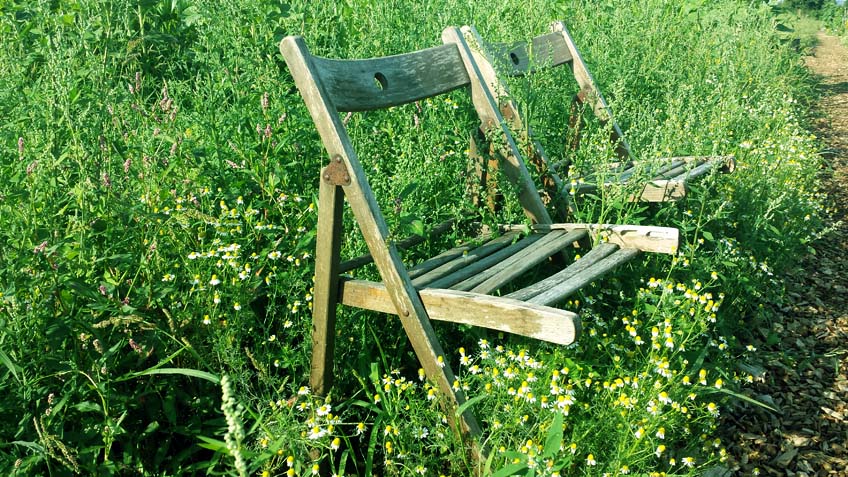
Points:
(157, 216)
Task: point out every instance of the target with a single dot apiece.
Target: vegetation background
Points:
(157, 219)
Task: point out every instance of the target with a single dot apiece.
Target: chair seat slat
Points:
(459, 276)
(568, 287)
(465, 259)
(598, 253)
(525, 260)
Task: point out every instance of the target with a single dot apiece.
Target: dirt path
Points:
(806, 375)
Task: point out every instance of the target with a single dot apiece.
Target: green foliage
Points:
(808, 5)
(835, 17)
(157, 217)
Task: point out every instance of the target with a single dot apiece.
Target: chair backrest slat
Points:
(374, 83)
(547, 51)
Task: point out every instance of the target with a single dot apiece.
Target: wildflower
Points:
(275, 255)
(336, 444)
(324, 410)
(652, 408)
(625, 469)
(688, 461)
(376, 398)
(316, 433)
(207, 320)
(660, 450)
(719, 383)
(440, 361)
(40, 247)
(661, 433)
(360, 428)
(303, 391)
(590, 460)
(21, 145)
(713, 409)
(214, 281)
(236, 306)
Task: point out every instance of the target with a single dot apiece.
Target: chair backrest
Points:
(330, 86)
(548, 51)
(376, 83)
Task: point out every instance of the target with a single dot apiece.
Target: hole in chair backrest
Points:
(515, 59)
(380, 81)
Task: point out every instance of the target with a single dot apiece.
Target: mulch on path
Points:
(806, 373)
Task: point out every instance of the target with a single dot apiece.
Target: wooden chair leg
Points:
(483, 173)
(327, 258)
(475, 173)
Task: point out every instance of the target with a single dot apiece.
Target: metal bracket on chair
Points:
(336, 172)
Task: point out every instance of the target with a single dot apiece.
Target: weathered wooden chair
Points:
(667, 178)
(460, 285)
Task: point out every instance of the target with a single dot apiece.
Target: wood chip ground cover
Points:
(806, 371)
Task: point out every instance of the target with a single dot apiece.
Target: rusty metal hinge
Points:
(336, 172)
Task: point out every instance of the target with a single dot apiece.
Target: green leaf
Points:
(410, 188)
(416, 227)
(30, 445)
(554, 438)
(746, 399)
(511, 469)
(707, 236)
(87, 406)
(9, 364)
(214, 445)
(193, 373)
(461, 409)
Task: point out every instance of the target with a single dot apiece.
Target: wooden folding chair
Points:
(668, 178)
(460, 285)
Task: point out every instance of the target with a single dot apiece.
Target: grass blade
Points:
(193, 373)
